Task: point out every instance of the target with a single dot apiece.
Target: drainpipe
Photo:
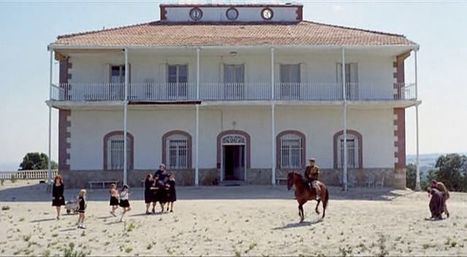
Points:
(344, 95)
(125, 117)
(197, 121)
(273, 124)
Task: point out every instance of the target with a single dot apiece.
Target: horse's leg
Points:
(300, 212)
(317, 204)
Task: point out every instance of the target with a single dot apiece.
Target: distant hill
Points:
(427, 161)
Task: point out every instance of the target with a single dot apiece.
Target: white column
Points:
(417, 176)
(125, 116)
(197, 147)
(197, 120)
(197, 73)
(49, 167)
(273, 124)
(344, 97)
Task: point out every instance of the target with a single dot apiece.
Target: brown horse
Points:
(303, 194)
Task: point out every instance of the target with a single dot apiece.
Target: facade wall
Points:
(375, 73)
(319, 125)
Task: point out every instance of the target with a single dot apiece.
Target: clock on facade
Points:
(196, 14)
(231, 13)
(267, 13)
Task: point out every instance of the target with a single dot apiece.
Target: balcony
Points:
(94, 92)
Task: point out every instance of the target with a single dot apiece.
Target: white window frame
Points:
(290, 159)
(290, 89)
(177, 89)
(112, 163)
(171, 142)
(351, 79)
(352, 151)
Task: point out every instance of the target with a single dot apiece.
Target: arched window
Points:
(354, 150)
(113, 151)
(290, 150)
(176, 149)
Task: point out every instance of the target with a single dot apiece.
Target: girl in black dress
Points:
(148, 194)
(57, 194)
(113, 198)
(124, 202)
(81, 208)
(172, 194)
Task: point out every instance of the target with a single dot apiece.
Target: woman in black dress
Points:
(159, 192)
(172, 194)
(57, 194)
(148, 194)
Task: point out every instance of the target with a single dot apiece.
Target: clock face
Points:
(267, 14)
(196, 14)
(232, 14)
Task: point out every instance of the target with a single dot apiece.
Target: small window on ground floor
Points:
(354, 150)
(177, 150)
(291, 150)
(114, 151)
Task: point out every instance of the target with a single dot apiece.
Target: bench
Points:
(102, 183)
(279, 180)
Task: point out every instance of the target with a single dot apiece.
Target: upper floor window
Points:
(291, 149)
(117, 74)
(351, 79)
(177, 150)
(114, 151)
(177, 79)
(290, 79)
(234, 81)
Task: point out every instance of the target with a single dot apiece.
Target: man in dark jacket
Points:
(311, 177)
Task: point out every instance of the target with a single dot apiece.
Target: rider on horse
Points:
(311, 177)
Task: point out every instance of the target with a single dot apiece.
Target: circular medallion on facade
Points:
(267, 13)
(231, 14)
(196, 14)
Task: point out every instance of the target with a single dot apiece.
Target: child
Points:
(113, 198)
(81, 208)
(172, 194)
(124, 203)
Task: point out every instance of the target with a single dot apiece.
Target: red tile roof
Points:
(231, 34)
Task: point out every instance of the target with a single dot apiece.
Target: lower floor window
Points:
(352, 158)
(291, 150)
(178, 153)
(115, 151)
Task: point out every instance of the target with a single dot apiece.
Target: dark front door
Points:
(234, 162)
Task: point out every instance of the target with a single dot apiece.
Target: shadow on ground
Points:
(38, 193)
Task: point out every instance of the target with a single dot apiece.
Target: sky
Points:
(27, 27)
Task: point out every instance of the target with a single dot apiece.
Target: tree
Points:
(451, 169)
(36, 161)
(411, 173)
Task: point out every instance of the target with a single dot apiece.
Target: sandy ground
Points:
(244, 220)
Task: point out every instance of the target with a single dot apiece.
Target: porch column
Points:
(273, 124)
(125, 114)
(344, 97)
(417, 176)
(49, 168)
(197, 121)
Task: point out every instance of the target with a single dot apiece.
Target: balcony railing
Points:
(232, 92)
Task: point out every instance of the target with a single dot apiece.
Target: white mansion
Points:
(232, 92)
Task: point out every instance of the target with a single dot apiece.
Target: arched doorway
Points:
(233, 155)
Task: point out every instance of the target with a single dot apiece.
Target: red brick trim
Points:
(360, 146)
(399, 74)
(399, 143)
(130, 140)
(163, 12)
(278, 146)
(299, 13)
(238, 132)
(164, 146)
(63, 137)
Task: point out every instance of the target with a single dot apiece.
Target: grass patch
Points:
(382, 246)
(70, 251)
(128, 249)
(5, 208)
